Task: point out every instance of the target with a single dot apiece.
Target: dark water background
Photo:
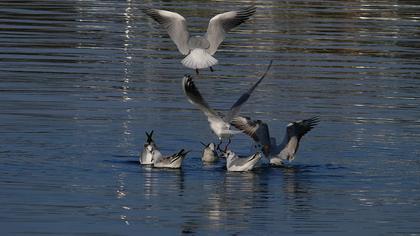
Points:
(80, 82)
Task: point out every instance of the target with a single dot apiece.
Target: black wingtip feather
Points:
(313, 121)
(149, 137)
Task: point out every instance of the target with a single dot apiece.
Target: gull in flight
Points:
(173, 161)
(287, 149)
(150, 149)
(220, 125)
(236, 163)
(209, 153)
(199, 49)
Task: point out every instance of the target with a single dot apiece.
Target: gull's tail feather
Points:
(199, 59)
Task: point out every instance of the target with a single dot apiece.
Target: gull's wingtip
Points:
(267, 69)
(187, 80)
(251, 9)
(313, 121)
(205, 145)
(147, 10)
(269, 65)
(188, 76)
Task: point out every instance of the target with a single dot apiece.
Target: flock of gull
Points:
(199, 51)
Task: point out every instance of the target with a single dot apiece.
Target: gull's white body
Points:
(235, 163)
(209, 154)
(146, 157)
(150, 150)
(199, 59)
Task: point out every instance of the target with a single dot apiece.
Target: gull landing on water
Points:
(218, 124)
(199, 49)
(287, 149)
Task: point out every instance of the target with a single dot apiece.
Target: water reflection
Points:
(121, 193)
(154, 179)
(297, 194)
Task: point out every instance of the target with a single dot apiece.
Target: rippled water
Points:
(81, 81)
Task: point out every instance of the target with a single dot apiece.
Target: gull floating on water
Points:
(236, 163)
(210, 154)
(199, 49)
(287, 149)
(173, 161)
(218, 124)
(150, 149)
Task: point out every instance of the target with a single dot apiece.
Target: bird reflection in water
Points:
(297, 192)
(154, 178)
(237, 198)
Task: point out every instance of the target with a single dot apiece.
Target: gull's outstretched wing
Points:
(195, 98)
(234, 110)
(175, 25)
(300, 128)
(295, 132)
(256, 129)
(220, 24)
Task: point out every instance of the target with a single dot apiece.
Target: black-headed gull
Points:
(199, 49)
(220, 125)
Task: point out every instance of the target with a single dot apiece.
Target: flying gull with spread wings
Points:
(220, 125)
(199, 49)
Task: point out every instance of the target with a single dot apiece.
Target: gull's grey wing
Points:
(195, 98)
(171, 159)
(300, 128)
(174, 24)
(234, 110)
(256, 129)
(220, 24)
(244, 160)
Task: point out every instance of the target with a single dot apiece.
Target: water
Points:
(81, 81)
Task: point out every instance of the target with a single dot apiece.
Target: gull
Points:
(209, 153)
(236, 163)
(287, 149)
(149, 150)
(199, 49)
(220, 125)
(173, 161)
